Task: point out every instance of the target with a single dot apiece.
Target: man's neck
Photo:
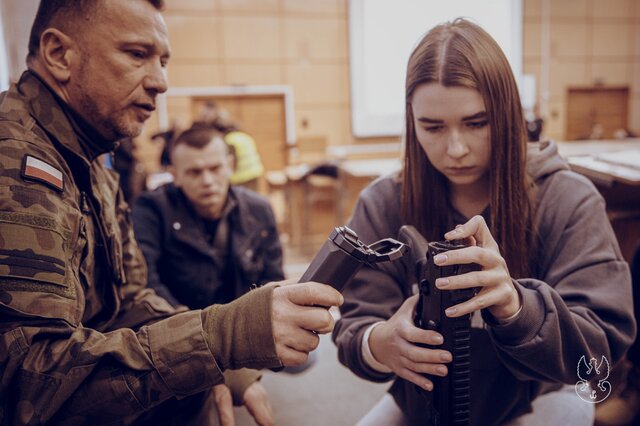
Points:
(92, 142)
(211, 213)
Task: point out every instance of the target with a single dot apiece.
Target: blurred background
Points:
(282, 71)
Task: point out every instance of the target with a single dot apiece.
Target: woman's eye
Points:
(433, 129)
(477, 124)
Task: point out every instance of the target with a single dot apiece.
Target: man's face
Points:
(122, 67)
(203, 175)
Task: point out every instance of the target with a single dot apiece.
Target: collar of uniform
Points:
(54, 115)
(91, 141)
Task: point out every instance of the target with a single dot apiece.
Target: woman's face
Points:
(453, 129)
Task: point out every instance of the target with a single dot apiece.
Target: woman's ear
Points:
(57, 51)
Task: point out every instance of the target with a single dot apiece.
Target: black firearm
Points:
(342, 254)
(451, 400)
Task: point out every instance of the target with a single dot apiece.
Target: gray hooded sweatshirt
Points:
(577, 303)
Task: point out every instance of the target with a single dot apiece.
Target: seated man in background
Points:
(208, 242)
(248, 166)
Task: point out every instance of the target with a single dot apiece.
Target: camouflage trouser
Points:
(195, 410)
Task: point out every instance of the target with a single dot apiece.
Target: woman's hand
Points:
(394, 344)
(496, 290)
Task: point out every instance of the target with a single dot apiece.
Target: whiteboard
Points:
(382, 35)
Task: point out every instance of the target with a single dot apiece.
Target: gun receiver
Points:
(342, 254)
(451, 394)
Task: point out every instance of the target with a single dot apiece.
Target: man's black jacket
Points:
(184, 267)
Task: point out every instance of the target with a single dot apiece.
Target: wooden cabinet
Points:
(600, 110)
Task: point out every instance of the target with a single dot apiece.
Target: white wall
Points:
(383, 33)
(17, 17)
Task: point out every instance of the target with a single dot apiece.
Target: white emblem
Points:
(596, 375)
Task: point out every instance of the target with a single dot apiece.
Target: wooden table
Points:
(613, 168)
(619, 185)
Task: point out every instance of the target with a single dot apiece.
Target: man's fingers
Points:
(301, 340)
(290, 357)
(316, 319)
(257, 403)
(262, 414)
(312, 293)
(297, 339)
(288, 281)
(224, 405)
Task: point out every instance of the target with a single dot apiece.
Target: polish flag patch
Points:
(38, 170)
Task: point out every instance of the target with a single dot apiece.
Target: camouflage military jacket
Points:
(81, 338)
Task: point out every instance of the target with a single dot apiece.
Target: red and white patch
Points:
(35, 169)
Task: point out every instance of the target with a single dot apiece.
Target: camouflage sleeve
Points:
(52, 367)
(140, 304)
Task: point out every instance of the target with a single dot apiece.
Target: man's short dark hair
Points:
(198, 137)
(63, 15)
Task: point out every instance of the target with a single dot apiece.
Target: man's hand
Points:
(255, 399)
(394, 344)
(257, 403)
(224, 405)
(299, 314)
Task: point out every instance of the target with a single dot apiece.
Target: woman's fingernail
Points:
(442, 370)
(438, 340)
(428, 386)
(445, 357)
(441, 258)
(450, 311)
(442, 282)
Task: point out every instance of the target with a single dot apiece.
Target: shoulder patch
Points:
(38, 170)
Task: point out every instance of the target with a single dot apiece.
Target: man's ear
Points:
(58, 51)
(231, 159)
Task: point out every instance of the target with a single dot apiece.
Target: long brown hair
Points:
(461, 53)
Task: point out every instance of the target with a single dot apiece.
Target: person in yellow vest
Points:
(248, 166)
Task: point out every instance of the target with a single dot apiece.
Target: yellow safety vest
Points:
(248, 164)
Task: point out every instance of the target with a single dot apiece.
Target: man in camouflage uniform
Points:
(81, 338)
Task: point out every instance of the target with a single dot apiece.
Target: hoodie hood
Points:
(543, 160)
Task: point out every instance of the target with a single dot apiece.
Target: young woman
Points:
(552, 286)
